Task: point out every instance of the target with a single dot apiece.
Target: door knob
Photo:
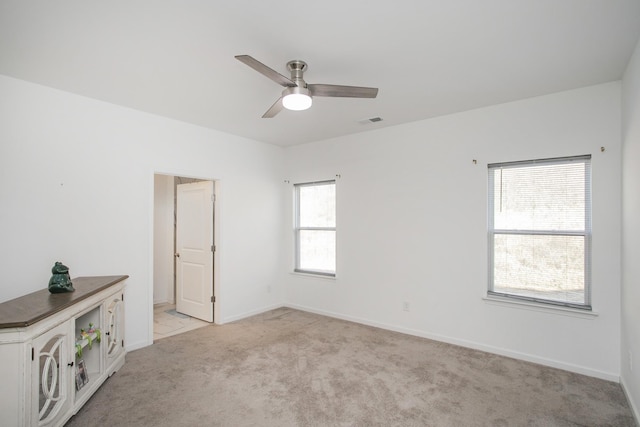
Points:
(177, 255)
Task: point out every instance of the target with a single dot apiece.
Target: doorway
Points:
(174, 281)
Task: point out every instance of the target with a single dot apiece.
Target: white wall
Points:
(163, 242)
(412, 215)
(631, 231)
(77, 185)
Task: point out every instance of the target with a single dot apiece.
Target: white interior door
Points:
(194, 249)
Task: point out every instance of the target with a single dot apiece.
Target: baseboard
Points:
(251, 313)
(634, 408)
(136, 346)
(468, 344)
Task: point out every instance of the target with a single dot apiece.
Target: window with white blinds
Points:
(540, 231)
(315, 228)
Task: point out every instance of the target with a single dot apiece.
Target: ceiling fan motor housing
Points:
(297, 69)
(297, 97)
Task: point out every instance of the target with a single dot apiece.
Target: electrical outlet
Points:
(268, 289)
(405, 305)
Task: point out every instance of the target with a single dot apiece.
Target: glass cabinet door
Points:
(52, 365)
(115, 321)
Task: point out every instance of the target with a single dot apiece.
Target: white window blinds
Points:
(540, 230)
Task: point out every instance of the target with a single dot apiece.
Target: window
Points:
(540, 231)
(315, 228)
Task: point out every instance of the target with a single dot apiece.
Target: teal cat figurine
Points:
(60, 280)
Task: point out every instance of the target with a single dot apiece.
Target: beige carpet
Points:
(291, 368)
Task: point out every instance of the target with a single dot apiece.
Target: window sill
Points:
(314, 276)
(542, 308)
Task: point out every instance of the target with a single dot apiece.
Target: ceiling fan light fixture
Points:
(296, 98)
(297, 95)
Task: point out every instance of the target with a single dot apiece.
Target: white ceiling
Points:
(427, 57)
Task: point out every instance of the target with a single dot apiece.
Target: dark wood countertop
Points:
(29, 309)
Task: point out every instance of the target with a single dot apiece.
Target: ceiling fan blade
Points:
(266, 71)
(274, 109)
(343, 91)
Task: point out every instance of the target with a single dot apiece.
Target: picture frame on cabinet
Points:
(82, 376)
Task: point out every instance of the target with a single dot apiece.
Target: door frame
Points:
(216, 241)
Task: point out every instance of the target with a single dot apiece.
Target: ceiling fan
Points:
(298, 94)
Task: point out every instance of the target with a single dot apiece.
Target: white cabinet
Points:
(57, 349)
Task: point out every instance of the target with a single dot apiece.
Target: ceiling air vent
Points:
(370, 120)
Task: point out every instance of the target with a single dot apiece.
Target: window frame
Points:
(586, 233)
(297, 228)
